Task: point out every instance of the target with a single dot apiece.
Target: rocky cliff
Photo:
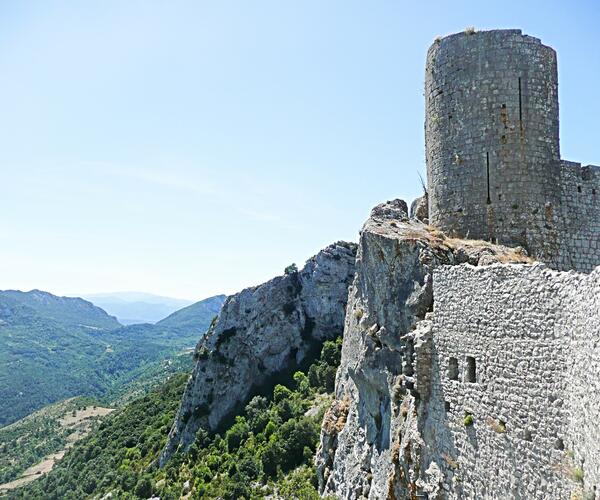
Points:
(263, 333)
(371, 437)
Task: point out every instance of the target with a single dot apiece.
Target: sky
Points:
(189, 148)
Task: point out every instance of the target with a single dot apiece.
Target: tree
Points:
(295, 436)
(237, 433)
(302, 384)
(280, 393)
(271, 456)
(331, 353)
(291, 269)
(144, 486)
(270, 429)
(256, 413)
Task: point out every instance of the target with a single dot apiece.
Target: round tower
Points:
(491, 136)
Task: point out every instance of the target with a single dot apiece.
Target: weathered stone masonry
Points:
(492, 147)
(580, 212)
(459, 381)
(520, 354)
(371, 444)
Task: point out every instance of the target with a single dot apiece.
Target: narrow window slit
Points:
(487, 164)
(520, 104)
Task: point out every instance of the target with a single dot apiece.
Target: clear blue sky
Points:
(192, 148)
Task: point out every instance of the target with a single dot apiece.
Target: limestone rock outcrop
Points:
(419, 208)
(370, 439)
(263, 332)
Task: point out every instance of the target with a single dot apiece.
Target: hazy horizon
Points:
(113, 293)
(188, 149)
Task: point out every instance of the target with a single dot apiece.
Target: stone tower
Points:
(492, 141)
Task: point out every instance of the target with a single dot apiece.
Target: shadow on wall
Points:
(435, 427)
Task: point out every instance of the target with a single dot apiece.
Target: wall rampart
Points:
(580, 214)
(513, 412)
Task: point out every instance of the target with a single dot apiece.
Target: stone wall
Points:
(518, 356)
(583, 378)
(580, 213)
(371, 446)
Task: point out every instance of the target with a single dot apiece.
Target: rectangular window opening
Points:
(471, 374)
(453, 369)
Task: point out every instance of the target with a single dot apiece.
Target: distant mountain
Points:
(137, 307)
(53, 347)
(195, 314)
(67, 311)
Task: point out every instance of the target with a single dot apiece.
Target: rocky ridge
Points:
(371, 441)
(262, 333)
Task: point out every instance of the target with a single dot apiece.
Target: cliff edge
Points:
(371, 439)
(263, 334)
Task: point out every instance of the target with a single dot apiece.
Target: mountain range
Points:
(55, 347)
(136, 307)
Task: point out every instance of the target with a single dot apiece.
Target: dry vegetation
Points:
(452, 462)
(77, 423)
(496, 425)
(438, 240)
(334, 420)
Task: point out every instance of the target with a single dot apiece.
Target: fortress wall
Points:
(580, 211)
(491, 135)
(584, 378)
(533, 334)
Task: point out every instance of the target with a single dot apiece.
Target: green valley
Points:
(268, 449)
(52, 348)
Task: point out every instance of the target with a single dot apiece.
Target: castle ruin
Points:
(493, 154)
(469, 370)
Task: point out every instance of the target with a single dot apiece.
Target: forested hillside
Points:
(195, 314)
(67, 311)
(43, 433)
(53, 347)
(268, 448)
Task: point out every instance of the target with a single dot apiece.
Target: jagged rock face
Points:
(419, 208)
(370, 439)
(262, 332)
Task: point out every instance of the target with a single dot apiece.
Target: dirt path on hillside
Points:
(81, 424)
(33, 472)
